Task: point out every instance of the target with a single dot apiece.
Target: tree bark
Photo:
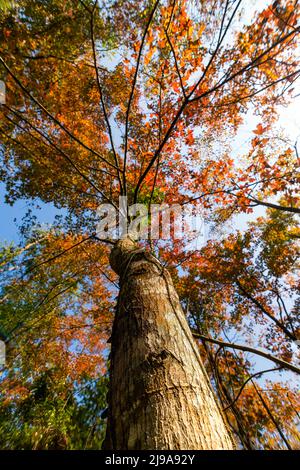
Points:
(160, 396)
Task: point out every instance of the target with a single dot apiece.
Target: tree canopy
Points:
(104, 99)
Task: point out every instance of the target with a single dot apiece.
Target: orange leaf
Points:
(260, 129)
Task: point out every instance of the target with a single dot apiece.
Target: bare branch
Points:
(101, 97)
(133, 88)
(270, 357)
(257, 374)
(258, 304)
(294, 210)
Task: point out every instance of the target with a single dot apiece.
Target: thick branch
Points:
(270, 357)
(294, 210)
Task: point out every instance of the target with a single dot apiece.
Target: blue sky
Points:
(8, 214)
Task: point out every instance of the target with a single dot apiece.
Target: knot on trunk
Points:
(120, 254)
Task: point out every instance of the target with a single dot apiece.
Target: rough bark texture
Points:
(160, 396)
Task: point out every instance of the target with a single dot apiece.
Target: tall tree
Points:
(106, 100)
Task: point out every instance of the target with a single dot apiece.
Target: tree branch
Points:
(66, 157)
(188, 100)
(101, 97)
(132, 91)
(294, 210)
(176, 63)
(270, 357)
(272, 417)
(257, 374)
(265, 311)
(57, 122)
(58, 255)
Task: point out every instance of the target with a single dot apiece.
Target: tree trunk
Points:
(160, 396)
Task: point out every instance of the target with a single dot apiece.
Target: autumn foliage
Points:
(106, 99)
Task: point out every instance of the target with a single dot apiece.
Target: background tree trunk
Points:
(160, 396)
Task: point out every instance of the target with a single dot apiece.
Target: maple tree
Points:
(106, 100)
